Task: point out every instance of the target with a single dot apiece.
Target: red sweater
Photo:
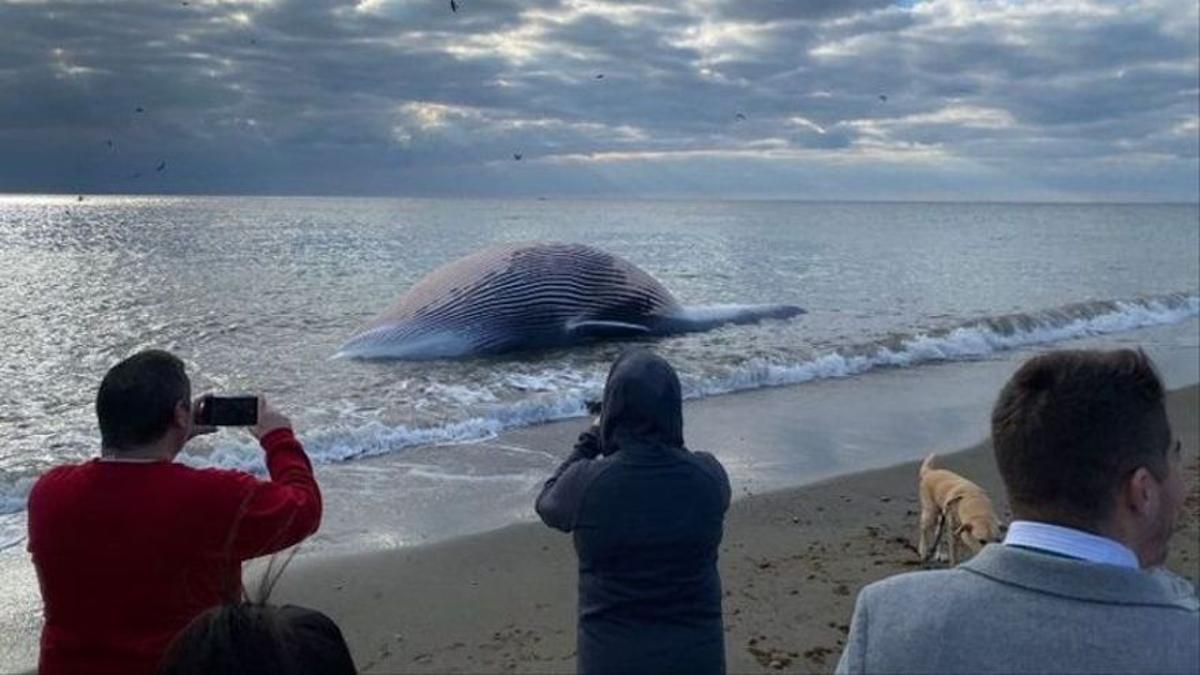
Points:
(128, 553)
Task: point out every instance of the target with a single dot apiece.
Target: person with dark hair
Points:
(1094, 480)
(647, 516)
(248, 638)
(131, 546)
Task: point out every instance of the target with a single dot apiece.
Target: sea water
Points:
(257, 294)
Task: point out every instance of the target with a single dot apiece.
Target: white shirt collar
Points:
(1070, 542)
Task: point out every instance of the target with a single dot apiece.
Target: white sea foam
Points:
(12, 543)
(344, 442)
(569, 391)
(973, 340)
(462, 394)
(467, 478)
(14, 494)
(560, 395)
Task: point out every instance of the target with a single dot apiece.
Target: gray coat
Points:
(1014, 610)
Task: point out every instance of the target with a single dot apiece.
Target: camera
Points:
(593, 408)
(227, 411)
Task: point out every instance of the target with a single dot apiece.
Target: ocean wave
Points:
(14, 492)
(555, 396)
(969, 341)
(342, 442)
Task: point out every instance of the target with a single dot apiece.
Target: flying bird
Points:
(600, 76)
(109, 143)
(453, 6)
(883, 97)
(517, 156)
(139, 109)
(740, 117)
(161, 165)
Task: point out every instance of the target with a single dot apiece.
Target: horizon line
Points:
(599, 198)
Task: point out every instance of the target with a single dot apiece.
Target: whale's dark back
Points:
(522, 295)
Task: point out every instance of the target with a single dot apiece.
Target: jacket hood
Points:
(643, 404)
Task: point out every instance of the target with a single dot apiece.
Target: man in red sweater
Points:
(129, 547)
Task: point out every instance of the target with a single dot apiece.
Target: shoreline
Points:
(768, 439)
(792, 563)
(784, 448)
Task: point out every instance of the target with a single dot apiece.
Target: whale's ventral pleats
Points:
(532, 295)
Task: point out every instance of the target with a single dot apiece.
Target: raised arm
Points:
(558, 503)
(278, 513)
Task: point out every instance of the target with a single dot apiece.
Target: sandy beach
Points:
(792, 563)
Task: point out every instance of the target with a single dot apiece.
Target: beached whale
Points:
(534, 295)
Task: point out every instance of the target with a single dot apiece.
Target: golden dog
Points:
(953, 503)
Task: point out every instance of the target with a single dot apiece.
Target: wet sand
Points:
(792, 563)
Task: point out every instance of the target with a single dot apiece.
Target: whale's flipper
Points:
(379, 343)
(592, 328)
(705, 317)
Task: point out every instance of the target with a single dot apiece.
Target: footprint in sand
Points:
(817, 654)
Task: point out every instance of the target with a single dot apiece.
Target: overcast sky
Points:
(821, 99)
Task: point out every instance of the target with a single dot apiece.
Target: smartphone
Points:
(227, 411)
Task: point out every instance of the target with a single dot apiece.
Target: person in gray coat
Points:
(1094, 480)
(647, 516)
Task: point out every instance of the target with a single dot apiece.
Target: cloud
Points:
(599, 96)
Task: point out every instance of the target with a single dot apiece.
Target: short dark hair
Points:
(252, 638)
(1069, 428)
(137, 398)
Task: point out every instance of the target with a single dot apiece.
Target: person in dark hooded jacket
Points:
(647, 516)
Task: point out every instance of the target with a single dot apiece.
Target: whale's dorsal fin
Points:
(598, 328)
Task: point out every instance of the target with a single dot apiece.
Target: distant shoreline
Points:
(608, 198)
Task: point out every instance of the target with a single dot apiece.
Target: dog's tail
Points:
(928, 463)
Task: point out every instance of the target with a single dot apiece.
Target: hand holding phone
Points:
(197, 428)
(269, 419)
(227, 411)
(237, 411)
